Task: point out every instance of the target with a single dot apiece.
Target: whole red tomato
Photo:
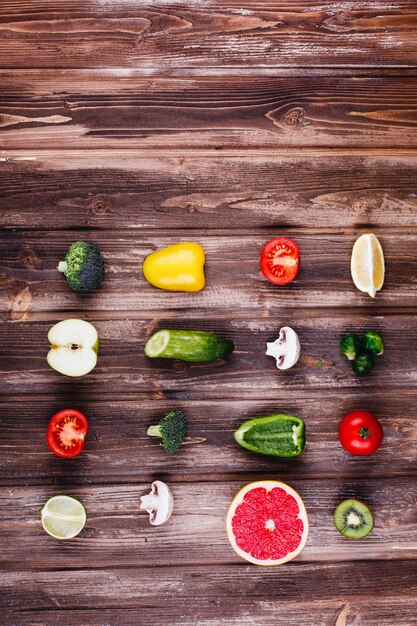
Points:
(360, 433)
(66, 433)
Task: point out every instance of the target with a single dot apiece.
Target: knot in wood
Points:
(294, 119)
(30, 258)
(360, 207)
(338, 21)
(99, 207)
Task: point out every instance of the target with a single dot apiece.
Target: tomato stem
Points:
(364, 432)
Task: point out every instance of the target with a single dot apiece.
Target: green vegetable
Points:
(83, 266)
(172, 429)
(187, 345)
(350, 346)
(363, 363)
(373, 342)
(277, 435)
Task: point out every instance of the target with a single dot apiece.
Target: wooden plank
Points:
(92, 110)
(247, 374)
(118, 450)
(204, 593)
(165, 34)
(103, 189)
(235, 284)
(118, 535)
(370, 612)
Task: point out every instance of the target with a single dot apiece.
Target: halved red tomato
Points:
(66, 432)
(280, 260)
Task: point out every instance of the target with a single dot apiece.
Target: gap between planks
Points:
(229, 71)
(46, 315)
(244, 153)
(244, 478)
(185, 565)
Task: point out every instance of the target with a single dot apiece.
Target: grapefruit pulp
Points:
(267, 523)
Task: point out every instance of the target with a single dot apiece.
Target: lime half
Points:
(63, 517)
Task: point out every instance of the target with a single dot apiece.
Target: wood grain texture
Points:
(245, 612)
(175, 590)
(118, 535)
(93, 109)
(248, 373)
(31, 283)
(98, 190)
(118, 450)
(158, 36)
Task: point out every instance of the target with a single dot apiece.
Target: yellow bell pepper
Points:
(176, 268)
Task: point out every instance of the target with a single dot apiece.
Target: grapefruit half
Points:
(267, 523)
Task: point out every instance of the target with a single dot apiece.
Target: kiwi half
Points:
(353, 519)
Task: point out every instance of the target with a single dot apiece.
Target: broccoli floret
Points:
(83, 266)
(172, 429)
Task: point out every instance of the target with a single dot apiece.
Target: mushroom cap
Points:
(159, 503)
(286, 349)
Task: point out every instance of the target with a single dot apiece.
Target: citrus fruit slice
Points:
(367, 264)
(267, 523)
(63, 517)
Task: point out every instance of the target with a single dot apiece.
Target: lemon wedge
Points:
(367, 264)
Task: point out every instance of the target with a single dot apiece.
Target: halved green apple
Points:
(74, 347)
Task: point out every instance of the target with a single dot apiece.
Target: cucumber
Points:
(275, 435)
(187, 345)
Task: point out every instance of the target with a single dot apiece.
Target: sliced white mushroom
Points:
(286, 349)
(159, 503)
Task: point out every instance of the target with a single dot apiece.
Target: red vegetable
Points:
(280, 260)
(66, 433)
(360, 433)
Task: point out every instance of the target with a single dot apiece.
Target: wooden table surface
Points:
(140, 123)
